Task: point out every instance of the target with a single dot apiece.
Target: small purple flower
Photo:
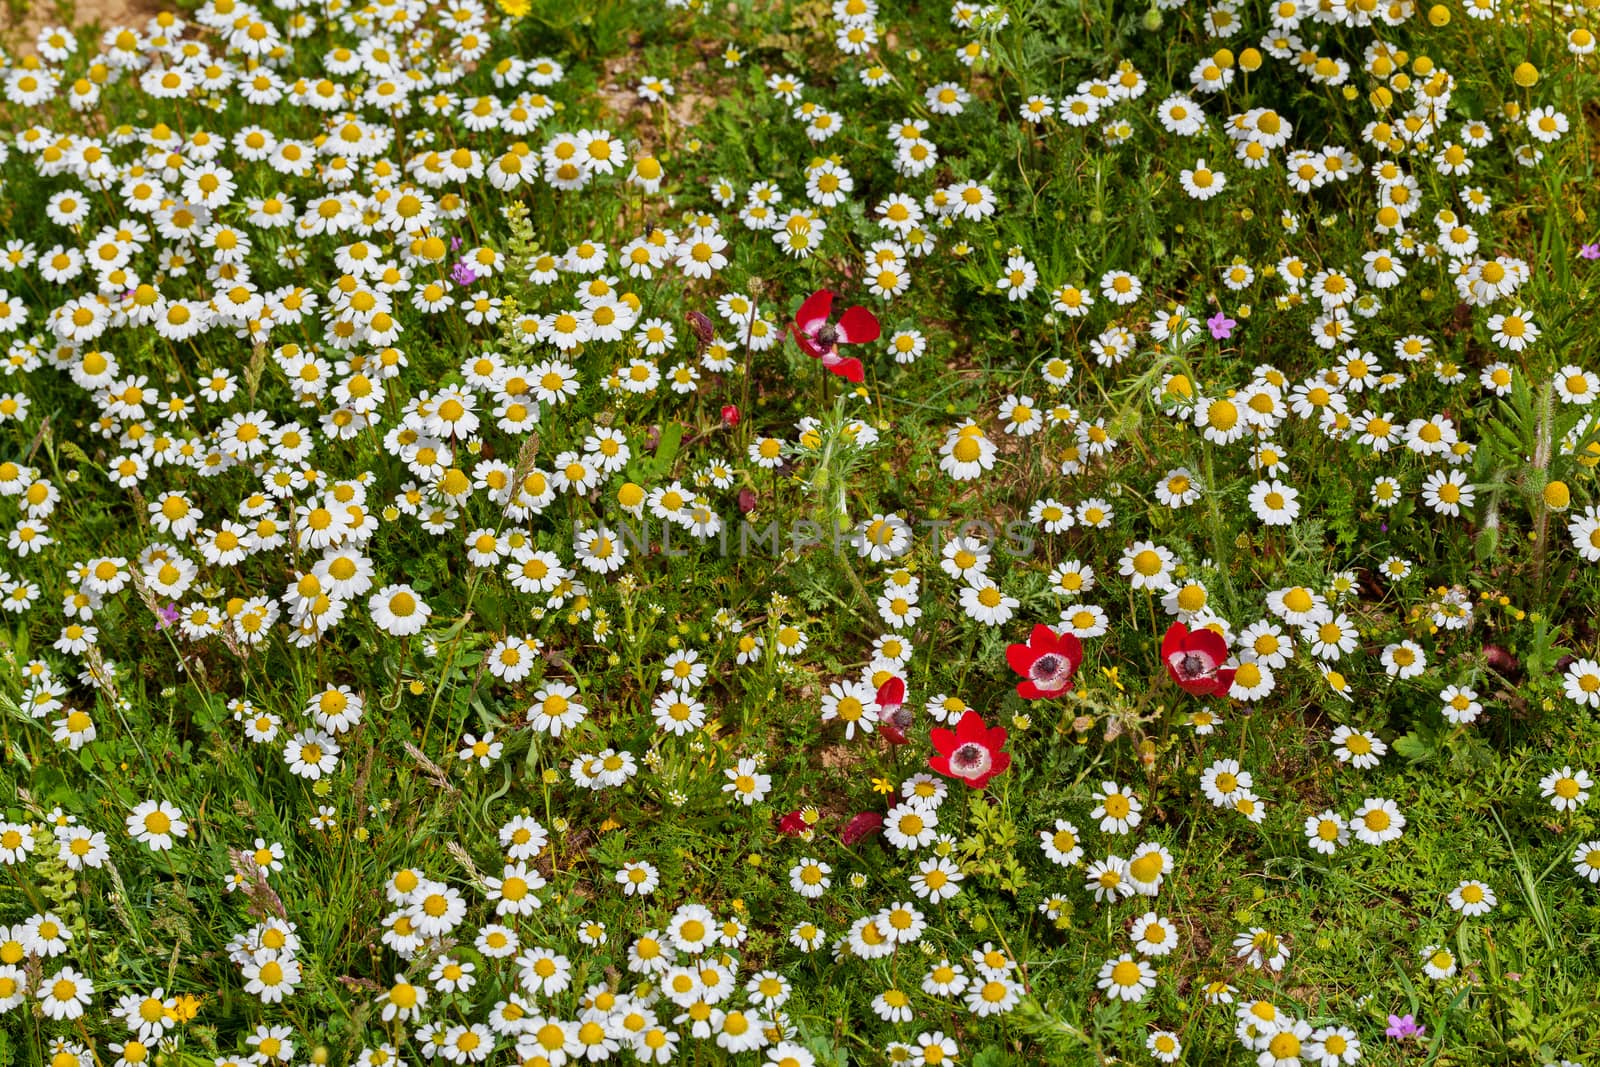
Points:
(1404, 1027)
(1221, 326)
(167, 615)
(1590, 251)
(455, 244)
(463, 274)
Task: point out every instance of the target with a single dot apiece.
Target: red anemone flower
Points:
(861, 827)
(794, 824)
(1047, 663)
(820, 339)
(1194, 658)
(893, 715)
(970, 752)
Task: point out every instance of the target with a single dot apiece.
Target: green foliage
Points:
(989, 850)
(1498, 597)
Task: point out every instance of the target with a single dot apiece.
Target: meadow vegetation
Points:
(801, 533)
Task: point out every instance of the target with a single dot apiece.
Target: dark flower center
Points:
(1194, 665)
(971, 760)
(828, 335)
(1050, 671)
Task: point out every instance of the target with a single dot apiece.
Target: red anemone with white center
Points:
(970, 752)
(893, 714)
(820, 338)
(1047, 663)
(1195, 660)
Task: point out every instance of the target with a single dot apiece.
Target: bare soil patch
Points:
(20, 24)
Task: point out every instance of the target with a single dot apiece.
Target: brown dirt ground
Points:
(20, 24)
(696, 91)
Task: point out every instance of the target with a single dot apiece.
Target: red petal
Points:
(1208, 642)
(944, 741)
(849, 369)
(971, 728)
(1072, 648)
(858, 325)
(814, 312)
(891, 693)
(1021, 658)
(1001, 762)
(1173, 641)
(863, 825)
(1046, 639)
